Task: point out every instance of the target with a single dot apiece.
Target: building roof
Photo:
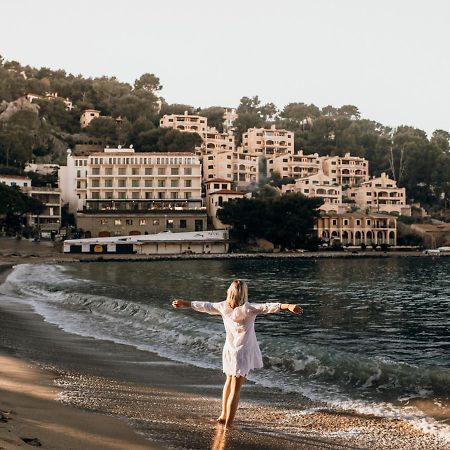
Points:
(15, 177)
(132, 154)
(167, 236)
(226, 192)
(359, 215)
(218, 180)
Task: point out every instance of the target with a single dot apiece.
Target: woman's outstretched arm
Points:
(271, 308)
(205, 307)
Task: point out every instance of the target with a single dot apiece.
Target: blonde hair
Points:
(237, 293)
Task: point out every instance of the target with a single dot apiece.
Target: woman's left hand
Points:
(295, 309)
(178, 303)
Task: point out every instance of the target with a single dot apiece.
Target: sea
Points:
(374, 336)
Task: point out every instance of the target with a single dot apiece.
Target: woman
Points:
(241, 351)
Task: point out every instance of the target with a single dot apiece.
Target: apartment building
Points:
(319, 185)
(218, 192)
(237, 166)
(346, 170)
(268, 141)
(296, 165)
(50, 217)
(357, 228)
(87, 116)
(215, 141)
(15, 180)
(229, 116)
(380, 194)
(185, 122)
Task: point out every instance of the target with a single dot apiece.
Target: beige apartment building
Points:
(87, 116)
(236, 166)
(296, 165)
(380, 194)
(215, 141)
(319, 185)
(218, 192)
(268, 141)
(346, 170)
(229, 116)
(357, 228)
(185, 122)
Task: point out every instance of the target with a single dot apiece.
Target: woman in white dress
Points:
(241, 351)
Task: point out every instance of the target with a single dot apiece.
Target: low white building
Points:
(167, 243)
(15, 180)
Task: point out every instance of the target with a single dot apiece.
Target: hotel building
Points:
(185, 122)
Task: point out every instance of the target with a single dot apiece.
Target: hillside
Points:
(44, 130)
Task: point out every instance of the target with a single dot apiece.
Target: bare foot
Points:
(220, 419)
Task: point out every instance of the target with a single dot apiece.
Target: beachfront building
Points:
(218, 192)
(236, 166)
(87, 116)
(268, 141)
(50, 218)
(204, 242)
(229, 116)
(185, 122)
(380, 194)
(15, 180)
(215, 141)
(346, 170)
(357, 228)
(319, 185)
(118, 191)
(296, 165)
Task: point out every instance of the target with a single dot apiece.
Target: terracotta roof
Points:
(227, 191)
(218, 180)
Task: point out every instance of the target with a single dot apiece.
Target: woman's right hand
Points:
(178, 303)
(295, 309)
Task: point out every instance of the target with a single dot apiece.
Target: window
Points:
(345, 221)
(109, 195)
(183, 223)
(161, 195)
(148, 170)
(155, 222)
(122, 195)
(188, 183)
(103, 221)
(148, 183)
(96, 171)
(161, 183)
(174, 195)
(187, 194)
(358, 222)
(188, 171)
(122, 171)
(108, 171)
(142, 222)
(368, 221)
(174, 183)
(134, 183)
(78, 173)
(117, 222)
(174, 171)
(198, 225)
(135, 195)
(135, 171)
(216, 186)
(128, 221)
(108, 183)
(333, 221)
(161, 170)
(210, 167)
(122, 183)
(95, 183)
(169, 223)
(96, 195)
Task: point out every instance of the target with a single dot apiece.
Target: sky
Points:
(390, 58)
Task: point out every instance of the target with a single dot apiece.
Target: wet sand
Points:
(170, 404)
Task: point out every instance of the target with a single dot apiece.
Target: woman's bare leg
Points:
(233, 399)
(225, 394)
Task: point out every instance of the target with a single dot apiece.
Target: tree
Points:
(286, 220)
(214, 114)
(148, 82)
(104, 128)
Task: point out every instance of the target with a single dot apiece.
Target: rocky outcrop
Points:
(7, 110)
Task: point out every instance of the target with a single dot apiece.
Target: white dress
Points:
(241, 351)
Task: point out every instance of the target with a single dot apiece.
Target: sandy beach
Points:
(69, 391)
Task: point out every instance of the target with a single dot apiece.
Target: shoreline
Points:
(171, 403)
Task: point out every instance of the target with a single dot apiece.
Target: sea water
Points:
(374, 336)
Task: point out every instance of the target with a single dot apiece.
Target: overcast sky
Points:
(388, 57)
